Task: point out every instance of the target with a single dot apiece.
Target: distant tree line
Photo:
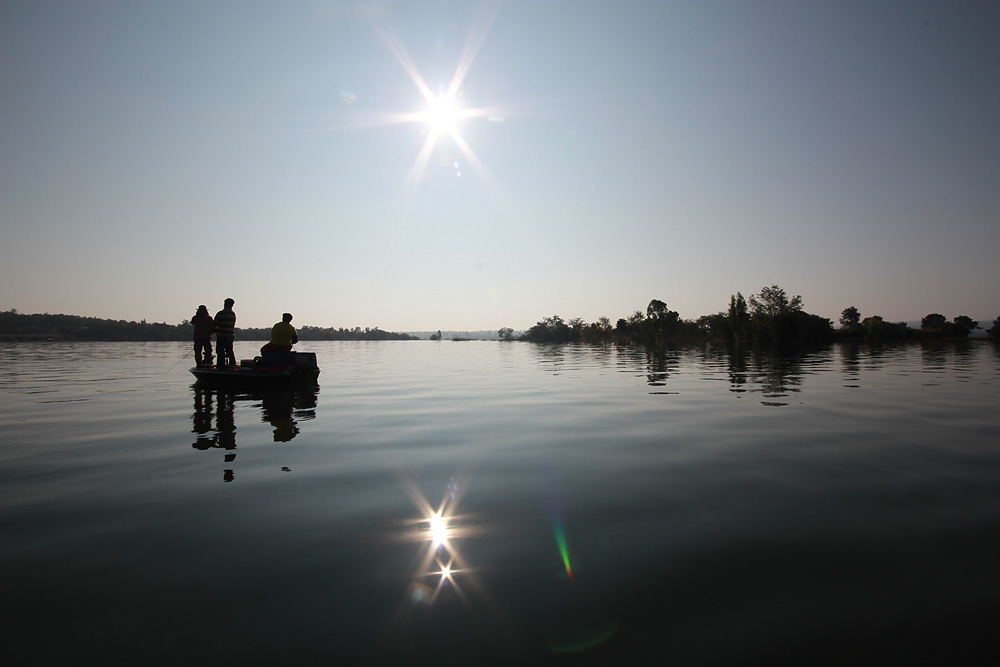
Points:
(18, 326)
(934, 325)
(768, 317)
(330, 333)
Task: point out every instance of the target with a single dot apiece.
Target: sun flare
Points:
(438, 529)
(442, 114)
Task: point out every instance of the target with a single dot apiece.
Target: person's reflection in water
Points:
(282, 409)
(202, 419)
(225, 425)
(225, 430)
(277, 409)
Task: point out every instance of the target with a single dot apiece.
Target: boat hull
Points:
(255, 377)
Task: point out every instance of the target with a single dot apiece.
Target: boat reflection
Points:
(214, 419)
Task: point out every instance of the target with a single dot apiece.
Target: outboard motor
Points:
(304, 360)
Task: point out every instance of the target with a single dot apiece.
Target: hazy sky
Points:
(159, 155)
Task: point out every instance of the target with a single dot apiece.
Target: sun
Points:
(442, 114)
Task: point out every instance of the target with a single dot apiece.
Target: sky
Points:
(589, 156)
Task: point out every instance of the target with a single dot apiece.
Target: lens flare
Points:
(560, 535)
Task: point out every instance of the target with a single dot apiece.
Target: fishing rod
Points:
(178, 361)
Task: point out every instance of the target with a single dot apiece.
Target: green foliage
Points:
(994, 331)
(772, 303)
(16, 326)
(874, 326)
(331, 333)
(738, 317)
(657, 326)
(549, 330)
(933, 321)
(937, 325)
(661, 325)
(877, 329)
(598, 332)
(506, 334)
(776, 319)
(850, 317)
(716, 327)
(964, 325)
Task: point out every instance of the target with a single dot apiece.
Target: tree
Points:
(549, 330)
(773, 316)
(772, 302)
(964, 325)
(715, 327)
(738, 317)
(850, 317)
(873, 325)
(506, 333)
(623, 330)
(994, 331)
(661, 323)
(598, 332)
(656, 309)
(933, 321)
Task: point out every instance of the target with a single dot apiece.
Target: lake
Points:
(505, 503)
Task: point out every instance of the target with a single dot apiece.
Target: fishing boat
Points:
(271, 369)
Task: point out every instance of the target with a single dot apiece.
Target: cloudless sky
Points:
(158, 155)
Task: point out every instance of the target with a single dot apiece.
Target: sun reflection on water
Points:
(444, 591)
(438, 529)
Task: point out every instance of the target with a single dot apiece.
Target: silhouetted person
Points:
(225, 334)
(203, 329)
(283, 336)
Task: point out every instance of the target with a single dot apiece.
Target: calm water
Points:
(598, 504)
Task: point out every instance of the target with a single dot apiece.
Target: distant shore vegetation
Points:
(768, 317)
(19, 326)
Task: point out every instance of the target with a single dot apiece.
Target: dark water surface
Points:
(598, 504)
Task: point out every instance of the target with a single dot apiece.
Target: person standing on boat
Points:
(225, 334)
(204, 326)
(283, 336)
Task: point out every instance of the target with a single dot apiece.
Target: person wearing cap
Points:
(203, 329)
(283, 336)
(225, 334)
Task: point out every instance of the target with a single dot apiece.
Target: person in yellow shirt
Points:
(283, 336)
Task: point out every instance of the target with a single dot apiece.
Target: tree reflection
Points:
(737, 368)
(850, 358)
(214, 419)
(774, 373)
(655, 363)
(660, 362)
